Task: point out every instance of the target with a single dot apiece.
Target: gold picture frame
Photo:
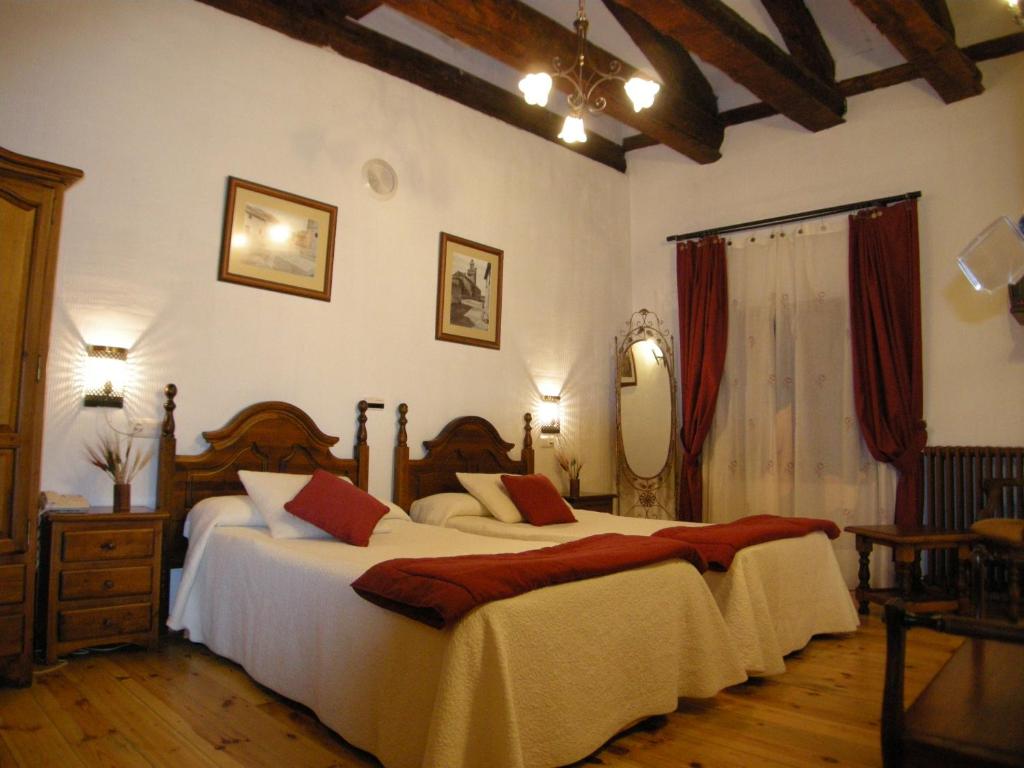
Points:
(277, 241)
(627, 369)
(469, 293)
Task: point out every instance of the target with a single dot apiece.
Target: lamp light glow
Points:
(641, 92)
(535, 88)
(572, 130)
(105, 376)
(550, 415)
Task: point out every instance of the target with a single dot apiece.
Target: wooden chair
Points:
(1003, 539)
(972, 713)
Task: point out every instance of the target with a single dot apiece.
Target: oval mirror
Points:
(645, 407)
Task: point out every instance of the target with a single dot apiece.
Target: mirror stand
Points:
(645, 419)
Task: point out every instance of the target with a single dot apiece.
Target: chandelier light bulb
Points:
(572, 130)
(535, 88)
(641, 92)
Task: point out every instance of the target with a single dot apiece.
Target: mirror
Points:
(646, 419)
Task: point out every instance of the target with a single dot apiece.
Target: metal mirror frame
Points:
(640, 496)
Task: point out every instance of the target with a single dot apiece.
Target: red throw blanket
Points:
(439, 590)
(718, 544)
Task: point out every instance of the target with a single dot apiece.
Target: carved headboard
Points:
(265, 437)
(466, 444)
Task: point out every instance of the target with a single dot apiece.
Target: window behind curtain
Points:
(785, 438)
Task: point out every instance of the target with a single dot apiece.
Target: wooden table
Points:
(972, 713)
(906, 544)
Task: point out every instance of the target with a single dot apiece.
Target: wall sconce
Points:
(550, 415)
(106, 370)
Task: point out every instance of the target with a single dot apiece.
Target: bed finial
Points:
(171, 390)
(361, 434)
(527, 452)
(403, 437)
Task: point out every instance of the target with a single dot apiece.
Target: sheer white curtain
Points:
(785, 438)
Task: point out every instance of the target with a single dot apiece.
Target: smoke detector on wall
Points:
(380, 178)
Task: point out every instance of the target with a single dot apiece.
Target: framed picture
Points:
(627, 370)
(469, 293)
(277, 241)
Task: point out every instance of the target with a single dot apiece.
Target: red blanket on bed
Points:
(439, 590)
(718, 544)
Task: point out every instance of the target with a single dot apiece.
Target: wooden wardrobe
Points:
(31, 194)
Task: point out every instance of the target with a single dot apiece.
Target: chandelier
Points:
(537, 86)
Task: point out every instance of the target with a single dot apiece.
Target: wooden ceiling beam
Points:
(356, 42)
(673, 63)
(721, 37)
(920, 30)
(525, 39)
(802, 36)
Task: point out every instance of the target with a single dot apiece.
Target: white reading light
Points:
(535, 88)
(995, 258)
(550, 415)
(106, 371)
(641, 92)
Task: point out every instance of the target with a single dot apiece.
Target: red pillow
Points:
(338, 507)
(537, 499)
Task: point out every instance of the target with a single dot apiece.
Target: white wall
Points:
(968, 161)
(159, 102)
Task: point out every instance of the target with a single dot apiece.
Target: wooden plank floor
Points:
(182, 706)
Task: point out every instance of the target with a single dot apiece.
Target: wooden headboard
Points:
(466, 444)
(265, 437)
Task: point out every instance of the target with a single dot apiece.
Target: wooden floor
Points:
(182, 706)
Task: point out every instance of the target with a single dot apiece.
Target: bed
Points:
(774, 598)
(542, 679)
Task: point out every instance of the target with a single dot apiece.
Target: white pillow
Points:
(490, 491)
(272, 490)
(438, 508)
(228, 510)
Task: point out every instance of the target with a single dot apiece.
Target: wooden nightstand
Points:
(99, 579)
(598, 502)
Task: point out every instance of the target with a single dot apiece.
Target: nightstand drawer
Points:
(12, 634)
(113, 544)
(94, 623)
(12, 583)
(108, 582)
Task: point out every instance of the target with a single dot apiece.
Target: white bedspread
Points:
(775, 597)
(542, 679)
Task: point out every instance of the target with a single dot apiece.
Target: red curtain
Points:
(702, 286)
(885, 320)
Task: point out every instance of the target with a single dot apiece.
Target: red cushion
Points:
(338, 507)
(537, 499)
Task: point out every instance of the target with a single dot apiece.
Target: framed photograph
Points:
(627, 369)
(277, 241)
(469, 293)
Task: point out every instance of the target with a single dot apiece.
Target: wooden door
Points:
(25, 215)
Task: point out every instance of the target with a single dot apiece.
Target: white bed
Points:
(542, 679)
(774, 598)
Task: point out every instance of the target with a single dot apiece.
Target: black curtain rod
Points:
(796, 216)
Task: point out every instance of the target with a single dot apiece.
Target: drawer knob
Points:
(108, 622)
(108, 546)
(108, 584)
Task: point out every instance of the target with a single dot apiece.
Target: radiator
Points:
(952, 494)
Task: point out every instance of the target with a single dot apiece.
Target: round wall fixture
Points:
(380, 178)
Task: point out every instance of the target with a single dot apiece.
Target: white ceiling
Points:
(856, 45)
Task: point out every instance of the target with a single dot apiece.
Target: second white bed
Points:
(774, 598)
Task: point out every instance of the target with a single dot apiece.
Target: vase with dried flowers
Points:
(569, 460)
(121, 462)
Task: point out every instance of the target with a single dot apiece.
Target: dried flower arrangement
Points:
(568, 459)
(120, 465)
